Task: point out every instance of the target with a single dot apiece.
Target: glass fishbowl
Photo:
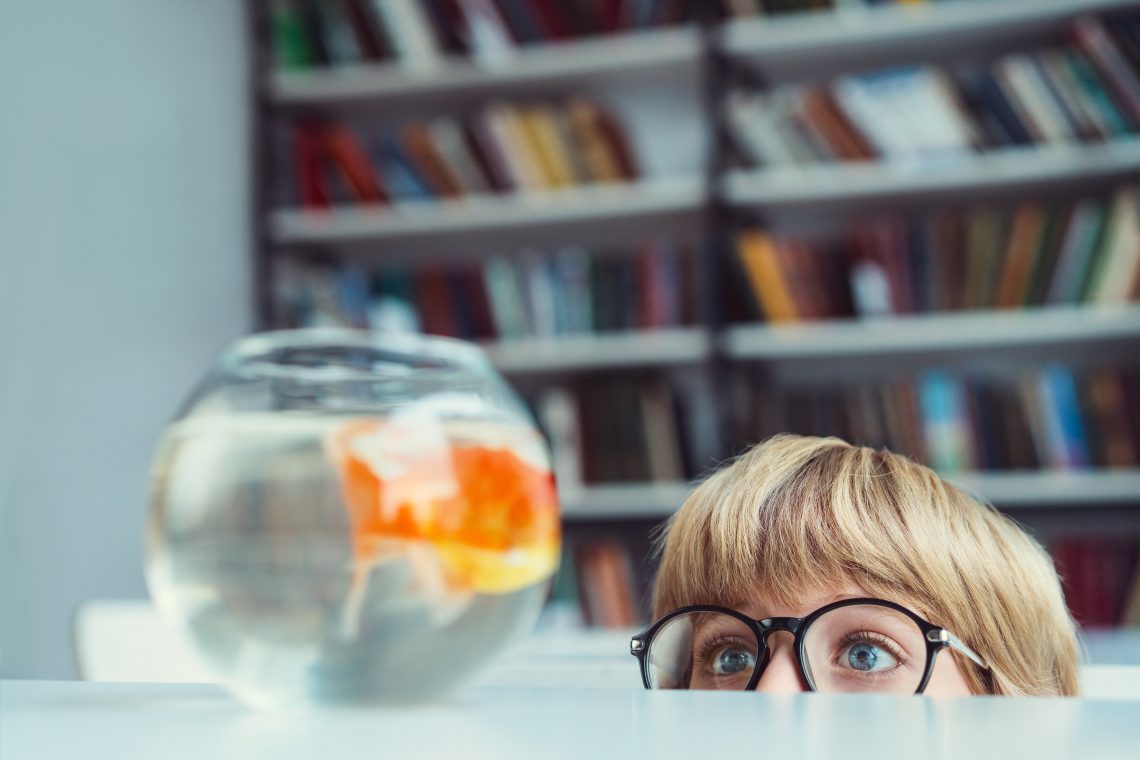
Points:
(344, 517)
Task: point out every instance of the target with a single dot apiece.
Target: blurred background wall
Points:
(123, 271)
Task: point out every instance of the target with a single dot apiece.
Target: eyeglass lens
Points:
(857, 648)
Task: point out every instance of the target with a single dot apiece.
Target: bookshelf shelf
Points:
(662, 55)
(927, 333)
(865, 36)
(1013, 490)
(606, 210)
(1009, 170)
(624, 501)
(677, 346)
(1053, 489)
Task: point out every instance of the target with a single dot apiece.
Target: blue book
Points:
(1061, 410)
(399, 173)
(984, 95)
(945, 422)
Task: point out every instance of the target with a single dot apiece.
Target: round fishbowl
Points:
(344, 517)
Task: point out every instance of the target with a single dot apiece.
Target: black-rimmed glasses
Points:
(853, 645)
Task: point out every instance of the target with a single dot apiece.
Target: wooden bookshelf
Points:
(791, 46)
(1004, 172)
(658, 54)
(584, 214)
(1056, 327)
(577, 353)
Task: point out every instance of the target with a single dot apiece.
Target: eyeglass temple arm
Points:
(954, 642)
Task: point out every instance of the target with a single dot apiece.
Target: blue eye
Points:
(732, 660)
(868, 658)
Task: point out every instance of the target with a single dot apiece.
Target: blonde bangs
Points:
(797, 516)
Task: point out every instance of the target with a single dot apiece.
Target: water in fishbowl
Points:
(324, 558)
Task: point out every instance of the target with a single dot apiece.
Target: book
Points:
(486, 34)
(454, 150)
(423, 154)
(594, 137)
(558, 414)
(355, 165)
(312, 189)
(769, 285)
(1100, 47)
(409, 28)
(1118, 277)
(1024, 243)
(290, 42)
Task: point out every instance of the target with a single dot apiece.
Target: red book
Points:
(610, 13)
(369, 35)
(311, 188)
(891, 245)
(435, 303)
(555, 25)
(349, 157)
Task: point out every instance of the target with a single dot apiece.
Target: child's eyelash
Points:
(856, 637)
(706, 648)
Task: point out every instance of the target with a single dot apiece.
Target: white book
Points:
(488, 36)
(932, 124)
(1028, 87)
(754, 120)
(1053, 64)
(410, 31)
(558, 415)
(540, 293)
(573, 271)
(507, 308)
(868, 101)
(452, 145)
(1120, 251)
(871, 289)
(512, 142)
(961, 133)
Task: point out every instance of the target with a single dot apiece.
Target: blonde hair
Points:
(801, 514)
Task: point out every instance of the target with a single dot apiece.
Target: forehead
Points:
(761, 604)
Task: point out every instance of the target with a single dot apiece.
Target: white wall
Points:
(123, 271)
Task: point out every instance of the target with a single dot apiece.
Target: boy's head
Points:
(796, 516)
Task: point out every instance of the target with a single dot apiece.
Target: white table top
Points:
(46, 720)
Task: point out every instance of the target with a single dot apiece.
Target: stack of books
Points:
(1086, 91)
(423, 33)
(1025, 255)
(532, 294)
(501, 148)
(1054, 418)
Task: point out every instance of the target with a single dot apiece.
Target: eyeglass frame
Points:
(936, 637)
